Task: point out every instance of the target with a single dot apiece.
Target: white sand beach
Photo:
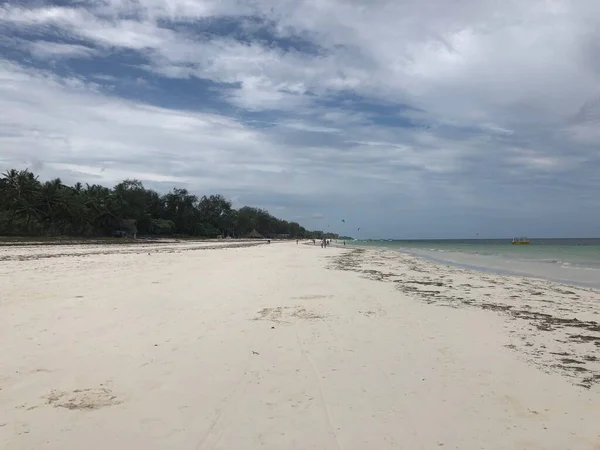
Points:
(285, 346)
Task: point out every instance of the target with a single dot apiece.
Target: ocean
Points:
(570, 261)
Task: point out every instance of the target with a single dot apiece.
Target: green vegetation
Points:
(29, 207)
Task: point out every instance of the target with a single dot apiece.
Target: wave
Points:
(547, 261)
(486, 256)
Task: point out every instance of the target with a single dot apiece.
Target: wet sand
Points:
(289, 346)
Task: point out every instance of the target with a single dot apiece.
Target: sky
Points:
(406, 118)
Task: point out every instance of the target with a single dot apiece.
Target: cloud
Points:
(54, 50)
(434, 106)
(89, 129)
(476, 62)
(91, 132)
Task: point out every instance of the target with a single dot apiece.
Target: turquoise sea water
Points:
(575, 261)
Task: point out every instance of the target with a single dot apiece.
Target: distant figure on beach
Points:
(344, 243)
(296, 241)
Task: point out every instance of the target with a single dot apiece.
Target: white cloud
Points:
(72, 129)
(475, 61)
(63, 122)
(39, 16)
(54, 50)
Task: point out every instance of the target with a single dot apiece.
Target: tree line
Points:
(30, 207)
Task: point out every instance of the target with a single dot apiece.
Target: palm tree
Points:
(53, 203)
(18, 190)
(101, 206)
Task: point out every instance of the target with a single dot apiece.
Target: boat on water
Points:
(521, 241)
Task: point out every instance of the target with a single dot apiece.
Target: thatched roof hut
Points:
(254, 235)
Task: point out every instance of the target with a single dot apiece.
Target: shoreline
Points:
(579, 276)
(282, 346)
(505, 272)
(535, 304)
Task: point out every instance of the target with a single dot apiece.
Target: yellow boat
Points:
(521, 241)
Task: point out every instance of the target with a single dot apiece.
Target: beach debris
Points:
(527, 304)
(255, 353)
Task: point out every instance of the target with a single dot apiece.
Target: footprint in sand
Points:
(285, 314)
(83, 399)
